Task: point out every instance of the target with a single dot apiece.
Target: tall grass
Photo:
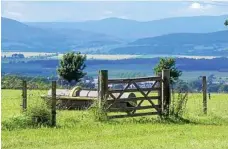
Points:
(79, 130)
(36, 115)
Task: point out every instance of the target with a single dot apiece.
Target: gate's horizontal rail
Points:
(117, 81)
(137, 98)
(136, 90)
(134, 115)
(132, 108)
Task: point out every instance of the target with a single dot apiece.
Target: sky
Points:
(62, 11)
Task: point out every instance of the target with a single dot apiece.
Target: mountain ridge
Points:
(132, 29)
(215, 43)
(20, 36)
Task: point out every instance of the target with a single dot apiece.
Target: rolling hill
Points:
(132, 30)
(199, 35)
(17, 36)
(215, 43)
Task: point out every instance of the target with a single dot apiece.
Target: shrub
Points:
(178, 104)
(36, 116)
(39, 113)
(98, 114)
(17, 122)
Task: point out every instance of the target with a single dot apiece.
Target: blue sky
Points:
(80, 11)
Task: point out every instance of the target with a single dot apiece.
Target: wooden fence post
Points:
(166, 97)
(102, 87)
(24, 95)
(160, 102)
(204, 94)
(53, 104)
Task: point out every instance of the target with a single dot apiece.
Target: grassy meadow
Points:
(77, 129)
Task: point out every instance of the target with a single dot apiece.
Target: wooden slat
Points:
(112, 96)
(136, 90)
(72, 98)
(116, 81)
(133, 115)
(139, 89)
(94, 98)
(121, 93)
(151, 89)
(131, 108)
(137, 98)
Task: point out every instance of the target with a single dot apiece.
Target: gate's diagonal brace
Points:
(138, 88)
(118, 98)
(151, 88)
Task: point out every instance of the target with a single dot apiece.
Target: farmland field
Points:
(76, 129)
(107, 56)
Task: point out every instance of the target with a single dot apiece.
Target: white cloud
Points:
(200, 6)
(195, 5)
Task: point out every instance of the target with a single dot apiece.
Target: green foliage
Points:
(226, 23)
(223, 88)
(213, 87)
(36, 115)
(71, 66)
(182, 86)
(195, 85)
(15, 82)
(11, 82)
(39, 113)
(97, 113)
(17, 122)
(77, 127)
(168, 63)
(178, 104)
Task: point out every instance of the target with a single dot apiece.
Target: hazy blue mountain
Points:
(185, 38)
(215, 43)
(130, 29)
(183, 35)
(17, 36)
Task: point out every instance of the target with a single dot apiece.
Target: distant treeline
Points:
(217, 64)
(15, 82)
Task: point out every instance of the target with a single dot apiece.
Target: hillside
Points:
(131, 29)
(215, 43)
(183, 35)
(17, 36)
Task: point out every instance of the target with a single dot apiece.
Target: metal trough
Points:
(78, 98)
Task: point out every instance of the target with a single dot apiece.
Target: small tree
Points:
(71, 66)
(226, 23)
(168, 63)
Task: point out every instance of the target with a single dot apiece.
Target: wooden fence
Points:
(109, 98)
(160, 85)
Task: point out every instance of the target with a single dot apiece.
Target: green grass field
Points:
(76, 129)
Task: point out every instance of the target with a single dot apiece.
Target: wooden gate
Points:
(152, 90)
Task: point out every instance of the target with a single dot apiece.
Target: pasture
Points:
(77, 129)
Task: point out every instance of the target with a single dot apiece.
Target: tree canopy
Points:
(71, 66)
(168, 63)
(226, 23)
